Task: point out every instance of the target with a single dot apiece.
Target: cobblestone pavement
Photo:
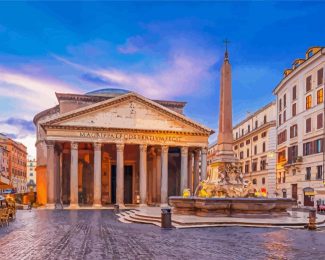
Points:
(95, 234)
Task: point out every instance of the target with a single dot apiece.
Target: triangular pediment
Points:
(129, 111)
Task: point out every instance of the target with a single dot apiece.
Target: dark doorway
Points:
(128, 191)
(294, 191)
(113, 184)
(309, 197)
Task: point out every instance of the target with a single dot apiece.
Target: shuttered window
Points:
(320, 77)
(308, 125)
(294, 109)
(320, 120)
(320, 96)
(308, 83)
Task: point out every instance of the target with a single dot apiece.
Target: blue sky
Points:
(163, 50)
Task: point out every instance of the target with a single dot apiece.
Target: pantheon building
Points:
(112, 146)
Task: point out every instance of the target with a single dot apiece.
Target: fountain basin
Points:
(236, 207)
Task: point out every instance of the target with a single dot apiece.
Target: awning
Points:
(4, 186)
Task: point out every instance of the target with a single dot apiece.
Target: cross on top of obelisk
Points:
(226, 42)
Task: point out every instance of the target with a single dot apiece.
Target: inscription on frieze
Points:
(130, 137)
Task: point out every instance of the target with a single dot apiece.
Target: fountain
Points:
(225, 192)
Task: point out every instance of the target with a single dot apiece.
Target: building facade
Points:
(254, 146)
(17, 162)
(4, 168)
(31, 174)
(116, 147)
(300, 129)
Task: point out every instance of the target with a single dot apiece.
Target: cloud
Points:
(97, 80)
(23, 126)
(132, 45)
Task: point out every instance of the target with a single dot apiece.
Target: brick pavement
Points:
(95, 234)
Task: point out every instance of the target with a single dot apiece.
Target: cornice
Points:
(50, 111)
(92, 128)
(255, 131)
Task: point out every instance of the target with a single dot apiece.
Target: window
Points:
(319, 146)
(284, 177)
(280, 121)
(307, 148)
(294, 109)
(293, 131)
(242, 132)
(280, 104)
(254, 181)
(282, 156)
(308, 125)
(263, 164)
(308, 102)
(320, 121)
(294, 93)
(31, 174)
(308, 83)
(263, 134)
(264, 147)
(247, 153)
(236, 147)
(292, 154)
(320, 77)
(284, 116)
(256, 124)
(241, 155)
(248, 142)
(282, 137)
(310, 53)
(241, 145)
(319, 174)
(264, 119)
(285, 100)
(263, 181)
(255, 149)
(320, 96)
(248, 128)
(308, 174)
(247, 167)
(237, 135)
(254, 166)
(255, 138)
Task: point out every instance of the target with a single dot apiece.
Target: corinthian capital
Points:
(143, 147)
(204, 150)
(74, 146)
(97, 146)
(184, 151)
(164, 149)
(120, 147)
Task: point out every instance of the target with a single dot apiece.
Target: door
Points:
(309, 196)
(113, 184)
(128, 187)
(294, 189)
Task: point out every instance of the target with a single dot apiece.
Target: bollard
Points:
(166, 218)
(116, 208)
(312, 219)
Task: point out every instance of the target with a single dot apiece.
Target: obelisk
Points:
(225, 138)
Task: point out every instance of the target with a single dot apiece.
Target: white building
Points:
(255, 147)
(300, 129)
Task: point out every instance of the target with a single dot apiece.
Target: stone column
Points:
(164, 175)
(190, 172)
(50, 171)
(204, 163)
(74, 176)
(57, 179)
(184, 169)
(158, 172)
(120, 174)
(143, 174)
(196, 169)
(97, 175)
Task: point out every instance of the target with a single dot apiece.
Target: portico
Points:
(124, 150)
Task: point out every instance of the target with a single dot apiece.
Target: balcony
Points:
(294, 163)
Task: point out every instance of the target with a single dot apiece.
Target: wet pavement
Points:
(95, 234)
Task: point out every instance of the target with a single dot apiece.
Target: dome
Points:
(108, 92)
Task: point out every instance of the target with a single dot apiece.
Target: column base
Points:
(97, 206)
(73, 206)
(121, 205)
(164, 205)
(142, 205)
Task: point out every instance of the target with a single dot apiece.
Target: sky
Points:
(162, 50)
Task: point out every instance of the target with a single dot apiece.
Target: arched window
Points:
(254, 181)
